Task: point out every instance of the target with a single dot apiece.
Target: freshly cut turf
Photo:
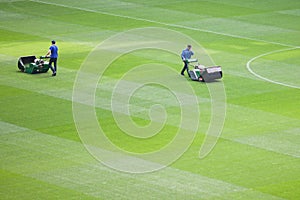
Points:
(257, 156)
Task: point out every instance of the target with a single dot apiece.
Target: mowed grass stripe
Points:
(18, 186)
(267, 5)
(63, 31)
(66, 164)
(275, 142)
(246, 29)
(165, 24)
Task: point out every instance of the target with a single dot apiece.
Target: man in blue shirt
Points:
(53, 53)
(185, 55)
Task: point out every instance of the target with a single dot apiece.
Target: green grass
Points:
(257, 156)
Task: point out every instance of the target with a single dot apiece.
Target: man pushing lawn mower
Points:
(185, 56)
(33, 65)
(53, 53)
(199, 72)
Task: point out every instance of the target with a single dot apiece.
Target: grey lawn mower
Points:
(202, 73)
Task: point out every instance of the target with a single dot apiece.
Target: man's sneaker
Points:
(54, 74)
(182, 74)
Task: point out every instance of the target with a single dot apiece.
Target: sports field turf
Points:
(257, 155)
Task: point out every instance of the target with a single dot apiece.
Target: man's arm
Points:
(48, 53)
(183, 56)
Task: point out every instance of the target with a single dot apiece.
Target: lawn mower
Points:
(202, 73)
(32, 65)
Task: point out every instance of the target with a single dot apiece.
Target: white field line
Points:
(66, 164)
(264, 78)
(165, 24)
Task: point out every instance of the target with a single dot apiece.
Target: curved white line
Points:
(264, 78)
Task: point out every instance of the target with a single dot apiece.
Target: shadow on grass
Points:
(203, 82)
(40, 75)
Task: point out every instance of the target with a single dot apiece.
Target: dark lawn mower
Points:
(202, 73)
(32, 65)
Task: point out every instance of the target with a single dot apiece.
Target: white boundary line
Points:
(266, 79)
(165, 24)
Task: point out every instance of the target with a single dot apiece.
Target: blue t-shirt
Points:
(186, 54)
(54, 51)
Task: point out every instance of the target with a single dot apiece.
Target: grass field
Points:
(257, 44)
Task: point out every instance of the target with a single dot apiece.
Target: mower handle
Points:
(44, 57)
